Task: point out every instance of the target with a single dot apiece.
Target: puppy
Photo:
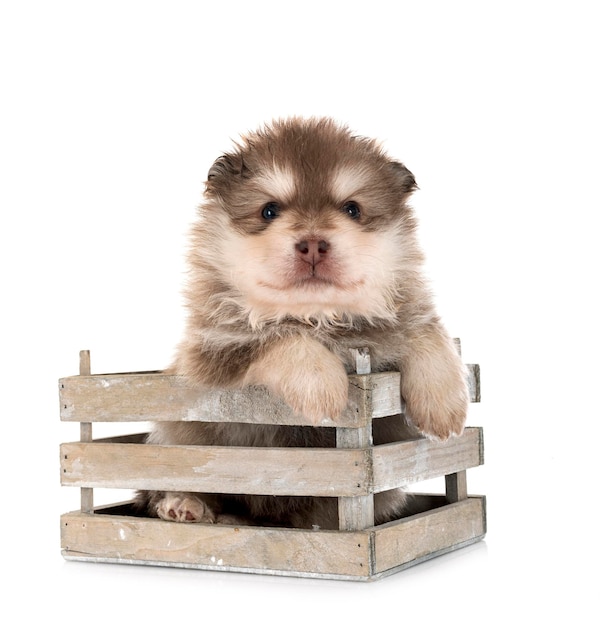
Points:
(304, 247)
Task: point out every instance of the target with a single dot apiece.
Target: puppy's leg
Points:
(433, 383)
(310, 378)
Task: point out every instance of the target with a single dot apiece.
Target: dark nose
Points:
(312, 250)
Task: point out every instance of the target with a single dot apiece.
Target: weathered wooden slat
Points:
(155, 396)
(380, 392)
(85, 433)
(456, 486)
(163, 397)
(343, 472)
(270, 471)
(427, 534)
(406, 462)
(215, 546)
(362, 555)
(357, 512)
(474, 382)
(361, 359)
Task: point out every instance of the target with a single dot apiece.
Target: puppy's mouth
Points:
(312, 273)
(312, 282)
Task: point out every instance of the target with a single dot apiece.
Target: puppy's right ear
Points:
(225, 170)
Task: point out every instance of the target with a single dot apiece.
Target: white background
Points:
(112, 113)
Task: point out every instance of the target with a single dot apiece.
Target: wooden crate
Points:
(353, 472)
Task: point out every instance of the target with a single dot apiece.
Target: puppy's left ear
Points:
(404, 178)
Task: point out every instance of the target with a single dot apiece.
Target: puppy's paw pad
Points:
(182, 508)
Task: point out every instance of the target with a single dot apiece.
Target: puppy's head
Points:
(305, 220)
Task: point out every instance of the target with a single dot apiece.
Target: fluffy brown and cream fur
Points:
(304, 247)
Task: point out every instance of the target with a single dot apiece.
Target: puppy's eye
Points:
(352, 209)
(270, 211)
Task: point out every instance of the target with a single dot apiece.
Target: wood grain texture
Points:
(155, 396)
(456, 486)
(161, 397)
(359, 555)
(410, 540)
(356, 513)
(215, 546)
(338, 472)
(474, 382)
(407, 462)
(85, 433)
(269, 471)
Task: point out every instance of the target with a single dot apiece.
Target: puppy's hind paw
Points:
(180, 507)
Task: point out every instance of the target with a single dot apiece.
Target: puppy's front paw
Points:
(436, 416)
(318, 393)
(436, 395)
(310, 378)
(181, 507)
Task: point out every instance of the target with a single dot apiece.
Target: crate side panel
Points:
(430, 533)
(161, 397)
(272, 471)
(406, 462)
(156, 396)
(215, 546)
